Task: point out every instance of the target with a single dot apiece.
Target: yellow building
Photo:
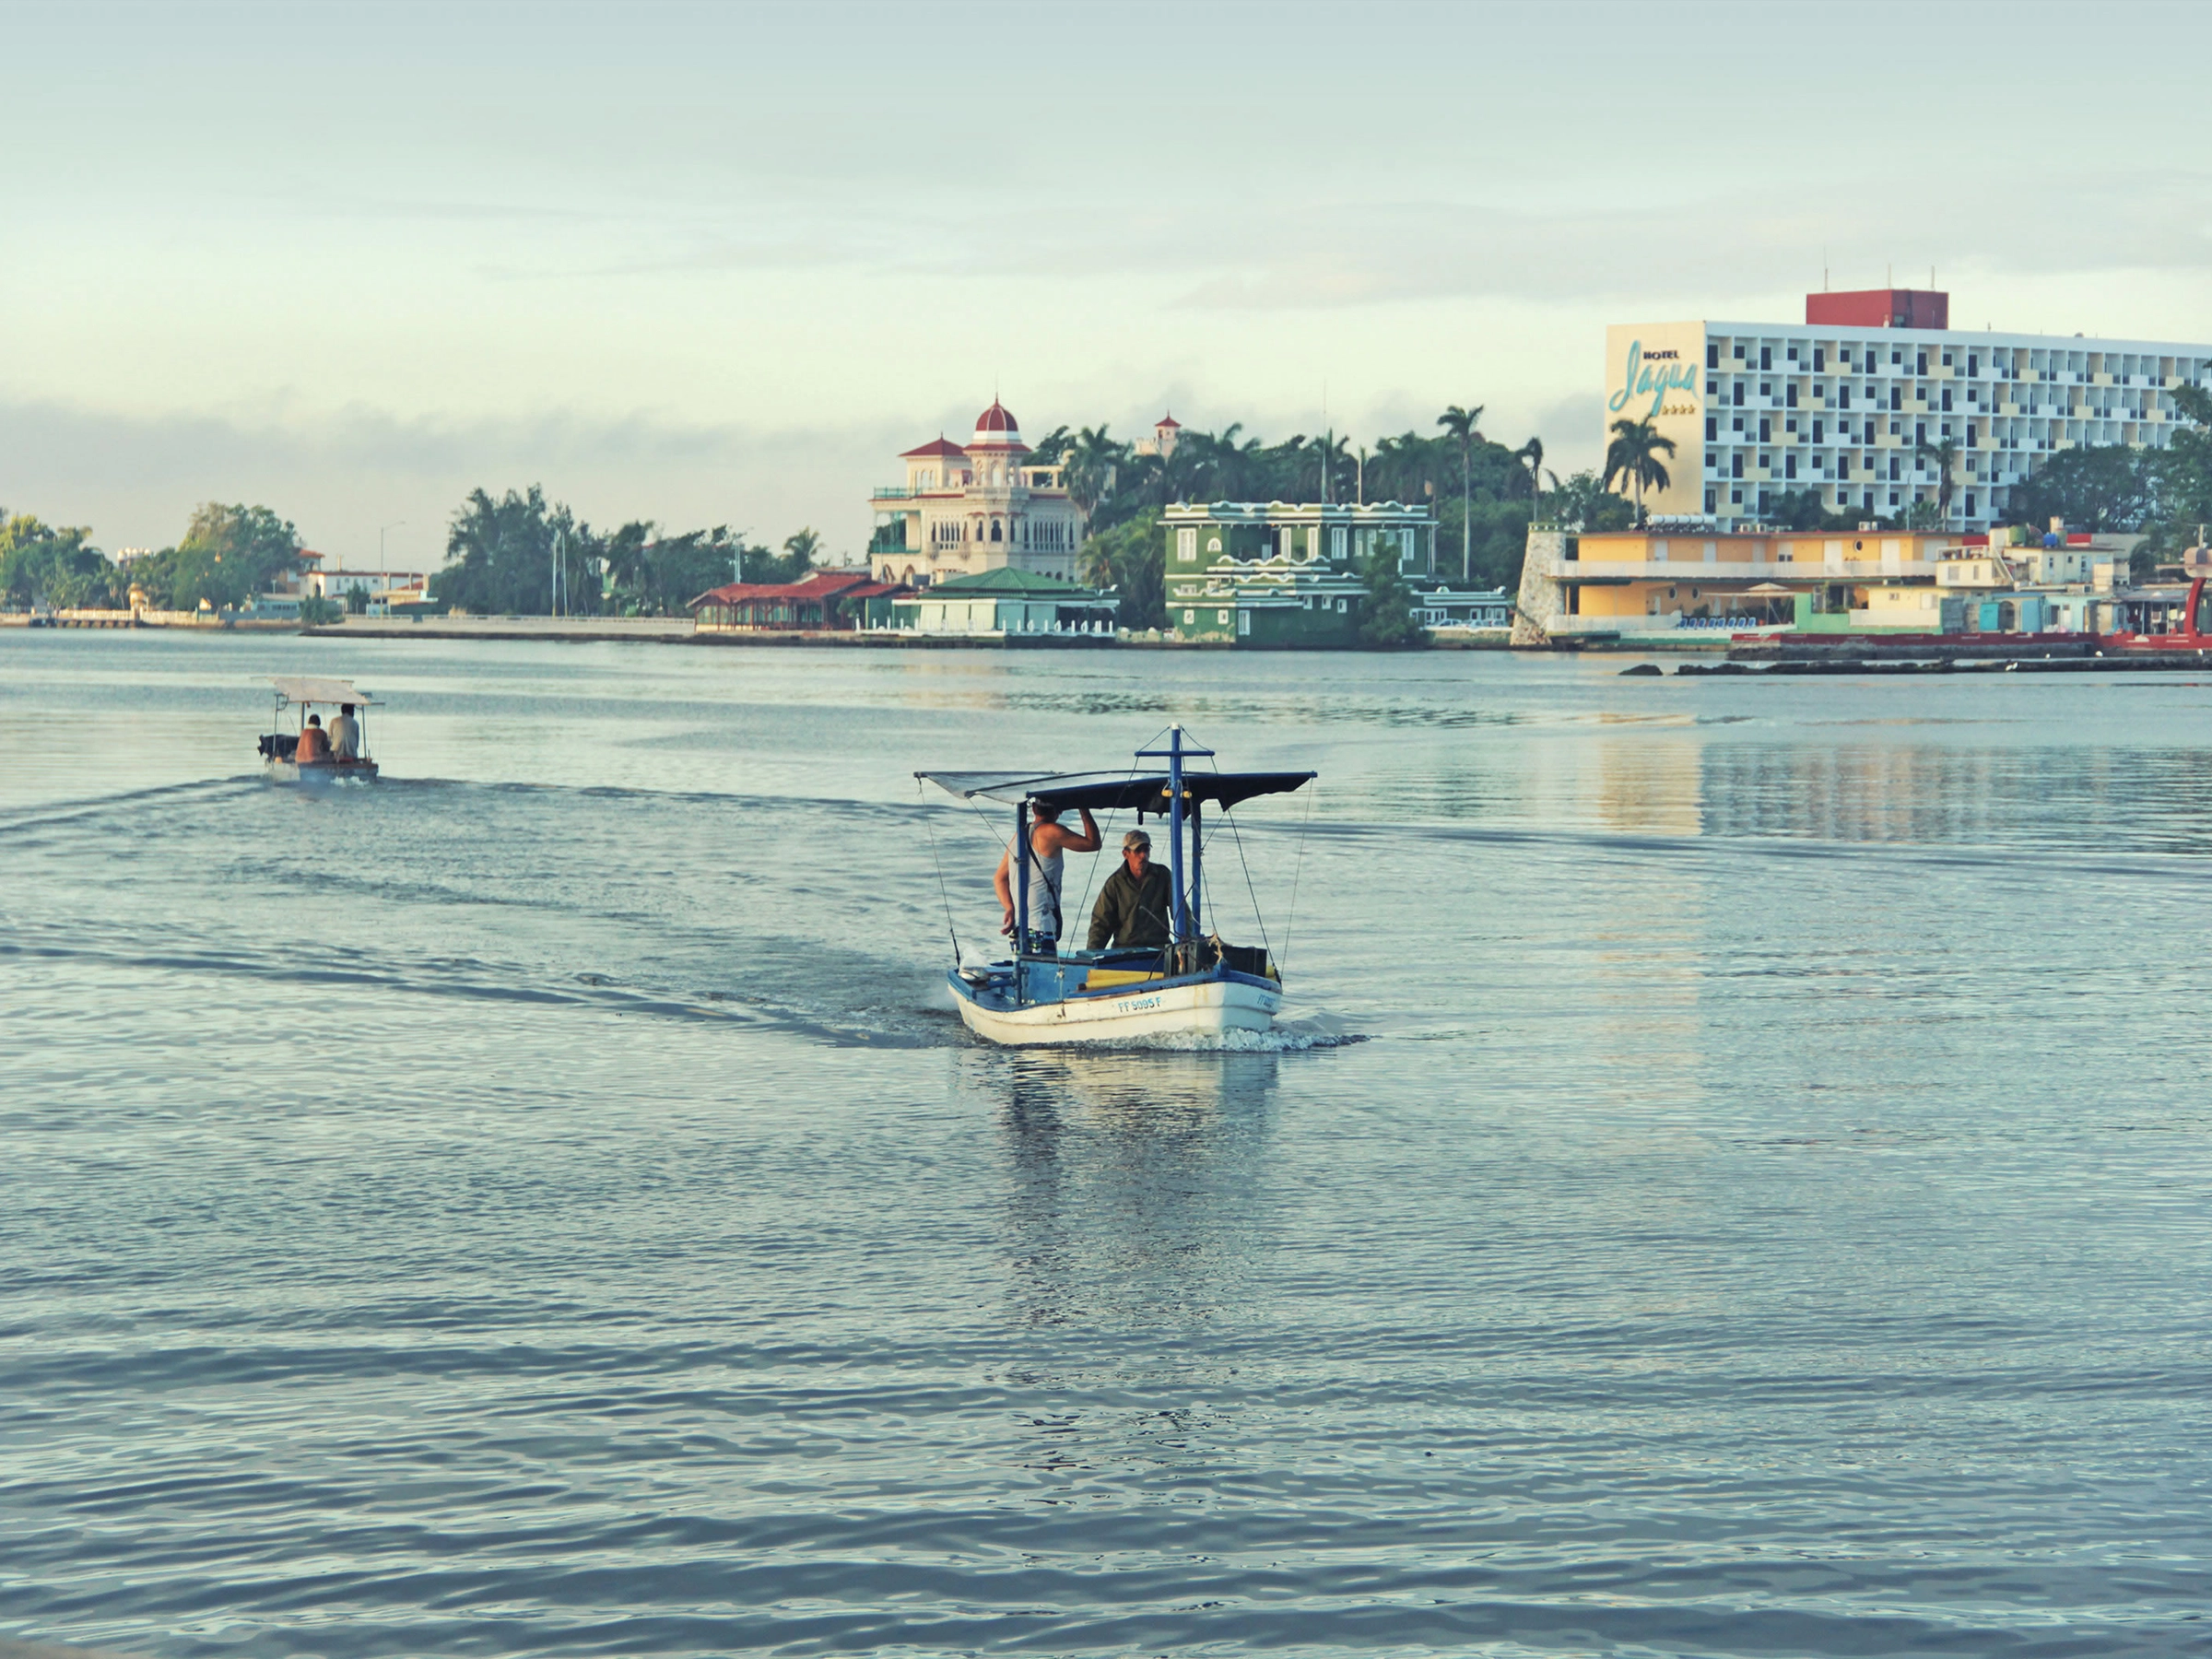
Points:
(1631, 581)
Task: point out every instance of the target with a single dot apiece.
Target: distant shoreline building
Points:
(1275, 573)
(1837, 406)
(966, 508)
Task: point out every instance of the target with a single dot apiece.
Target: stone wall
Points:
(1543, 599)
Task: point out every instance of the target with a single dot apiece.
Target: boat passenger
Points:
(1132, 906)
(1048, 841)
(314, 744)
(345, 736)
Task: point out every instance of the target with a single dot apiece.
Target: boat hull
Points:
(1205, 1007)
(322, 772)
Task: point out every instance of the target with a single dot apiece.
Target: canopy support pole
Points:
(1021, 895)
(1182, 921)
(1197, 869)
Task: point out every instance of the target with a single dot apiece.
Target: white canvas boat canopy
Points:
(304, 688)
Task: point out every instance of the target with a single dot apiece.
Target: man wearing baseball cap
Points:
(1133, 905)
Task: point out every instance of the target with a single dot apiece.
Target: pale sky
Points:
(719, 264)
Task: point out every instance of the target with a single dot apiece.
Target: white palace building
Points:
(1841, 404)
(967, 509)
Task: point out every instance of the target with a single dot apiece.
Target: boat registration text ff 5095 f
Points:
(1195, 985)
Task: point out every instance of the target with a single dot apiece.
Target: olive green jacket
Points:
(1128, 915)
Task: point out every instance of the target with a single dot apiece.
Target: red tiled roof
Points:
(942, 446)
(820, 584)
(1167, 420)
(996, 418)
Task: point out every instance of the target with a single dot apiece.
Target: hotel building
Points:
(1838, 404)
(975, 507)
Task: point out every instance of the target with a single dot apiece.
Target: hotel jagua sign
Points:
(1655, 375)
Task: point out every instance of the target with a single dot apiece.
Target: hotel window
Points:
(1817, 426)
(1712, 427)
(1842, 466)
(1896, 357)
(1766, 358)
(1789, 466)
(1947, 400)
(1713, 499)
(1186, 544)
(1739, 395)
(1973, 365)
(1820, 358)
(1920, 432)
(1922, 360)
(1895, 468)
(1970, 433)
(1738, 352)
(1947, 360)
(1713, 356)
(1766, 462)
(1870, 432)
(1766, 388)
(1895, 427)
(1789, 395)
(1969, 504)
(1736, 464)
(1897, 397)
(1765, 430)
(1736, 425)
(1735, 497)
(1843, 397)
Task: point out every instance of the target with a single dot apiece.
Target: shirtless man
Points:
(1048, 841)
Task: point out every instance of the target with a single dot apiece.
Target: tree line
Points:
(514, 555)
(521, 555)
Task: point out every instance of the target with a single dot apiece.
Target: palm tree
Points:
(1460, 423)
(1942, 456)
(1092, 461)
(1633, 457)
(801, 546)
(1532, 452)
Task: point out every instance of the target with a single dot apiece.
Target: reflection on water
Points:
(548, 1206)
(1134, 1178)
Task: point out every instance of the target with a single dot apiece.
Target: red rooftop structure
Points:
(1880, 308)
(825, 602)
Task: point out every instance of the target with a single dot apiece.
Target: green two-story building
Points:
(1283, 574)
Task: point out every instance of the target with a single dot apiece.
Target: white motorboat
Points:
(1194, 985)
(280, 748)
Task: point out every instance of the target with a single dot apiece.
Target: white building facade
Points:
(975, 507)
(1758, 409)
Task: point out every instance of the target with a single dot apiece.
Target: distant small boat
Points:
(1193, 986)
(280, 748)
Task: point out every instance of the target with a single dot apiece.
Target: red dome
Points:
(997, 419)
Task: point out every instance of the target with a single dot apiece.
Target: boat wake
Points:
(1285, 1037)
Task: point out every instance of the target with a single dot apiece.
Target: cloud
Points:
(340, 476)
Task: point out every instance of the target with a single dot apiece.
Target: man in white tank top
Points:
(1048, 841)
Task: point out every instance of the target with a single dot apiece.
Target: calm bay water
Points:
(1735, 1181)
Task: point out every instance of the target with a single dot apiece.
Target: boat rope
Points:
(929, 823)
(1285, 964)
(1237, 840)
